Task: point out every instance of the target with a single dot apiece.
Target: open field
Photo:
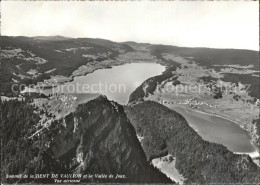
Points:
(166, 165)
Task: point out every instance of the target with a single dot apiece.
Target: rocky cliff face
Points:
(97, 139)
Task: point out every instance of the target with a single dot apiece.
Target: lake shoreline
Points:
(61, 80)
(253, 154)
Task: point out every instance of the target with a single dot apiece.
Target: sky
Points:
(213, 24)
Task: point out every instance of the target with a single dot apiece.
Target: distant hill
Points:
(209, 57)
(51, 38)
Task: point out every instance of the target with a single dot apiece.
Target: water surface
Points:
(117, 83)
(218, 130)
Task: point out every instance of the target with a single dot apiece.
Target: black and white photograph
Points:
(120, 92)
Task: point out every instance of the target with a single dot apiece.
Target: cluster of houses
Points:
(68, 101)
(195, 103)
(190, 102)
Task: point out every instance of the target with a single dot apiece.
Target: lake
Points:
(117, 83)
(218, 130)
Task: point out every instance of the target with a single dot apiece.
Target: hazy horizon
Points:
(123, 41)
(222, 25)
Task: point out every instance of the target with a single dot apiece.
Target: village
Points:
(189, 102)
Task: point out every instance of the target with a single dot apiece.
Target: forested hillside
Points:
(166, 131)
(253, 82)
(256, 122)
(96, 139)
(151, 84)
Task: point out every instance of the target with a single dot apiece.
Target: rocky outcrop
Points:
(98, 138)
